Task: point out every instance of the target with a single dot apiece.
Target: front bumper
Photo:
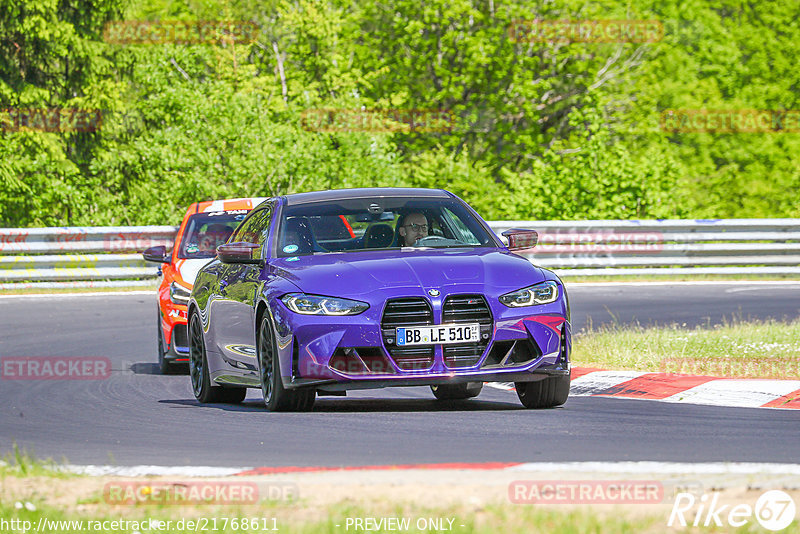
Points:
(428, 380)
(174, 327)
(340, 353)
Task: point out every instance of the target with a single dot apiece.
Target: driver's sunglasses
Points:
(417, 227)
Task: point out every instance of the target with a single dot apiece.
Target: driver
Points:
(414, 226)
(215, 235)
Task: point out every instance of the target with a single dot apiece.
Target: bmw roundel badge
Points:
(433, 292)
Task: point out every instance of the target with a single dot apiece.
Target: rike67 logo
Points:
(774, 510)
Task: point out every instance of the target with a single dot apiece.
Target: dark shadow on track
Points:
(153, 369)
(368, 405)
(244, 407)
(412, 405)
(145, 369)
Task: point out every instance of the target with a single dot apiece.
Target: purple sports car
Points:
(318, 293)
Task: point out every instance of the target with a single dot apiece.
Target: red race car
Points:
(205, 226)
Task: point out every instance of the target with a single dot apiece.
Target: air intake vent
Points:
(511, 353)
(360, 361)
(180, 338)
(467, 309)
(407, 312)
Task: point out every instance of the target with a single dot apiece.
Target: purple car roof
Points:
(365, 192)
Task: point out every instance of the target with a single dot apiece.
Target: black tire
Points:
(548, 393)
(276, 397)
(198, 370)
(467, 390)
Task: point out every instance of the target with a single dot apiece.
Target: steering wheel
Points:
(430, 240)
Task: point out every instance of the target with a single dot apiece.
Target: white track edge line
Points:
(705, 468)
(644, 467)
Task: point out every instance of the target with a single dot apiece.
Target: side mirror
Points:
(521, 239)
(157, 254)
(238, 253)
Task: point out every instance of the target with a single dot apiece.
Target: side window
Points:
(255, 228)
(436, 227)
(460, 230)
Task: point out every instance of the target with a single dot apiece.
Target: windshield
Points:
(378, 224)
(206, 231)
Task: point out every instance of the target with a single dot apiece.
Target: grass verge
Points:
(21, 463)
(227, 520)
(327, 503)
(753, 349)
(45, 510)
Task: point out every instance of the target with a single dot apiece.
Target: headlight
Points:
(543, 293)
(179, 294)
(318, 305)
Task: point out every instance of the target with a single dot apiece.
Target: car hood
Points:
(410, 272)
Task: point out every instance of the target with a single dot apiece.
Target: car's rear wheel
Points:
(548, 393)
(276, 397)
(466, 390)
(198, 370)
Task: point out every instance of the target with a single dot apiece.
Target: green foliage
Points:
(588, 177)
(540, 130)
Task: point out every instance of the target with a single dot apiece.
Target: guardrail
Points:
(102, 256)
(111, 256)
(664, 247)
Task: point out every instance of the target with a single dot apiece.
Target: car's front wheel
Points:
(548, 393)
(276, 397)
(198, 370)
(466, 390)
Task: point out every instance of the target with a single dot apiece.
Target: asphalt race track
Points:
(137, 416)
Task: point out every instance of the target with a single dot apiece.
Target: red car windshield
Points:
(206, 231)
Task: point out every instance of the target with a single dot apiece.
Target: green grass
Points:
(332, 519)
(29, 494)
(20, 462)
(492, 519)
(760, 349)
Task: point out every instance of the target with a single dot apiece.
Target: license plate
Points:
(443, 334)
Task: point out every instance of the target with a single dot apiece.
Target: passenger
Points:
(414, 227)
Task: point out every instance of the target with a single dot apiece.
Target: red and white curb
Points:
(665, 468)
(689, 389)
